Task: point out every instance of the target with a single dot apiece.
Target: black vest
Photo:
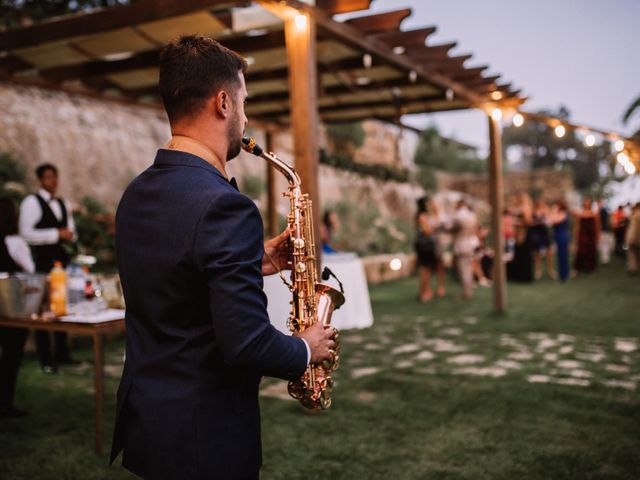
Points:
(7, 263)
(45, 255)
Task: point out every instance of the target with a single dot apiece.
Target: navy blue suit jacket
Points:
(189, 249)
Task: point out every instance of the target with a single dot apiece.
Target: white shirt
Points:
(466, 240)
(20, 252)
(306, 344)
(31, 213)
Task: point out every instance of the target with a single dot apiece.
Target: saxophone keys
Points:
(299, 243)
(301, 267)
(325, 400)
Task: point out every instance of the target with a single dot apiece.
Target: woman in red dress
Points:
(587, 227)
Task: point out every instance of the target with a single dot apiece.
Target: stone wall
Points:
(99, 146)
(548, 183)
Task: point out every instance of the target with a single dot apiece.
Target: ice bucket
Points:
(21, 294)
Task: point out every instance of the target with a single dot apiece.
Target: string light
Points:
(589, 140)
(627, 165)
(560, 131)
(496, 95)
(496, 114)
(300, 21)
(395, 264)
(399, 49)
(449, 94)
(413, 76)
(618, 145)
(518, 120)
(367, 60)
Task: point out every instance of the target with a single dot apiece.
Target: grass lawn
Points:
(445, 390)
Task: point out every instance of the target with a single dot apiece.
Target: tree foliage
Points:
(632, 109)
(345, 137)
(540, 148)
(435, 152)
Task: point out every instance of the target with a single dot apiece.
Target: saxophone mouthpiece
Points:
(249, 145)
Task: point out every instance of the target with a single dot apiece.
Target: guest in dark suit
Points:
(15, 256)
(191, 259)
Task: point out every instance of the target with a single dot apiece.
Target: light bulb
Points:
(395, 264)
(590, 140)
(560, 131)
(518, 120)
(496, 114)
(622, 158)
(618, 145)
(300, 21)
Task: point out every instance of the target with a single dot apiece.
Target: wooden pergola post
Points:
(496, 199)
(300, 39)
(272, 194)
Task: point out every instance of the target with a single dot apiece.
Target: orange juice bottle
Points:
(58, 290)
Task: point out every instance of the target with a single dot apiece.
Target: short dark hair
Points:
(192, 69)
(41, 169)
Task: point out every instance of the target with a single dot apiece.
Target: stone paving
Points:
(440, 346)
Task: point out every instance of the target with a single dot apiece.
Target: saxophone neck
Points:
(249, 145)
(284, 168)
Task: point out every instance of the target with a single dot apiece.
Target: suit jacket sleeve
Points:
(228, 250)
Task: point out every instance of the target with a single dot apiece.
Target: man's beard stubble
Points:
(235, 138)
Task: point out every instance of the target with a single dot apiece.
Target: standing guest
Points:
(605, 244)
(541, 241)
(427, 251)
(520, 268)
(15, 256)
(619, 224)
(587, 231)
(465, 243)
(482, 264)
(560, 222)
(328, 226)
(632, 240)
(46, 223)
(509, 232)
(191, 259)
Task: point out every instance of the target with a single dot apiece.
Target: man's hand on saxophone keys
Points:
(277, 254)
(321, 341)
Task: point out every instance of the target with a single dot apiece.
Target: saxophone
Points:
(312, 301)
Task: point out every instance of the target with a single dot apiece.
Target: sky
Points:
(584, 54)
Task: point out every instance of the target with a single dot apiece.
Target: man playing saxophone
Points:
(191, 259)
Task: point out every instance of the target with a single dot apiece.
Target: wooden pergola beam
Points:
(446, 64)
(150, 58)
(341, 107)
(337, 90)
(432, 51)
(470, 73)
(406, 38)
(349, 35)
(334, 7)
(101, 20)
(380, 22)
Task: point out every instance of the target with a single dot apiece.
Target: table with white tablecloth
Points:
(356, 311)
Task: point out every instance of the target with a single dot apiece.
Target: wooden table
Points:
(95, 330)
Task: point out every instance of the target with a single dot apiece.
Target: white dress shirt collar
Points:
(46, 196)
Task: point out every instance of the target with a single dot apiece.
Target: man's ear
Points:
(222, 104)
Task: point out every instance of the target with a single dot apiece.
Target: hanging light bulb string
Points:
(627, 149)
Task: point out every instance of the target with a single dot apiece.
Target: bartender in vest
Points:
(46, 223)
